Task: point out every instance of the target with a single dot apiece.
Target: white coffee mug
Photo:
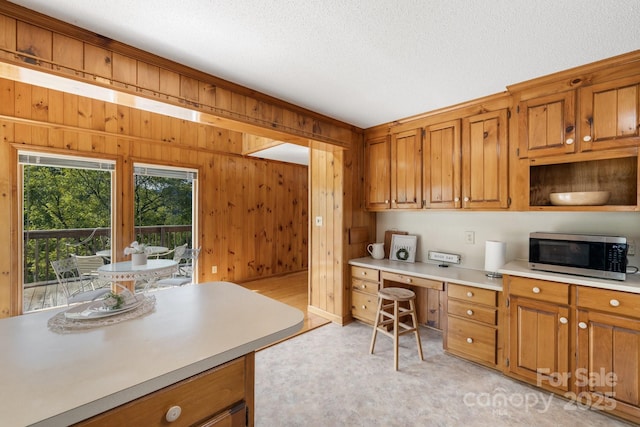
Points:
(376, 250)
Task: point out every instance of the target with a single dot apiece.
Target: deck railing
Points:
(43, 246)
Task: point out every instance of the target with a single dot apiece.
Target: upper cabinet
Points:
(406, 169)
(547, 125)
(485, 159)
(377, 173)
(578, 131)
(441, 166)
(605, 117)
(609, 114)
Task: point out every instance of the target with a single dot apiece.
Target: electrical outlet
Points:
(318, 221)
(469, 237)
(214, 269)
(631, 249)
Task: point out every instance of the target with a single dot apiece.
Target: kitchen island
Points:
(54, 379)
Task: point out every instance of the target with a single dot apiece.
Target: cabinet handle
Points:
(569, 141)
(408, 279)
(470, 312)
(470, 340)
(364, 307)
(466, 199)
(393, 201)
(587, 138)
(614, 303)
(582, 325)
(386, 201)
(564, 320)
(469, 294)
(363, 286)
(173, 414)
(535, 290)
(456, 199)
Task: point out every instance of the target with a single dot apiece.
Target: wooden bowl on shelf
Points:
(580, 198)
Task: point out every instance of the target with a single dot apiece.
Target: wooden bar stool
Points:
(396, 296)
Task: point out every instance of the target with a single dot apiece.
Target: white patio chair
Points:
(88, 268)
(186, 259)
(72, 283)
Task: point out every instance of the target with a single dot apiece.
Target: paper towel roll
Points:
(494, 257)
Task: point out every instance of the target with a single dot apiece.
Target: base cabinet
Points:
(472, 324)
(539, 332)
(222, 396)
(365, 283)
(608, 362)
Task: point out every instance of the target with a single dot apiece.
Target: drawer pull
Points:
(469, 294)
(569, 141)
(363, 286)
(364, 273)
(470, 340)
(408, 279)
(614, 303)
(364, 307)
(470, 312)
(173, 414)
(535, 290)
(564, 320)
(582, 325)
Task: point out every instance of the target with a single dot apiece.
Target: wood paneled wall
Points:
(336, 178)
(40, 42)
(253, 214)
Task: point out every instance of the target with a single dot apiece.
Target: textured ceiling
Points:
(366, 62)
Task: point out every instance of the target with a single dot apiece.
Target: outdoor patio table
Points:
(126, 272)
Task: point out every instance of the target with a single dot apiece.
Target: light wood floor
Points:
(291, 289)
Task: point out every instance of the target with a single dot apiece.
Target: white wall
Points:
(445, 231)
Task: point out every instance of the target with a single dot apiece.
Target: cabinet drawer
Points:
(200, 397)
(539, 289)
(365, 273)
(614, 302)
(413, 281)
(469, 293)
(364, 306)
(364, 286)
(477, 341)
(475, 312)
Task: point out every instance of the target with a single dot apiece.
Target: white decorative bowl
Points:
(580, 198)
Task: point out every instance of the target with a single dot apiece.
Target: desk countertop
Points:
(451, 274)
(58, 379)
(478, 279)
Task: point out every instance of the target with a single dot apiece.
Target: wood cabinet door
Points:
(406, 170)
(377, 173)
(609, 361)
(485, 159)
(609, 114)
(441, 166)
(547, 125)
(539, 342)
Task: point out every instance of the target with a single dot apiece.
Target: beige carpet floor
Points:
(326, 377)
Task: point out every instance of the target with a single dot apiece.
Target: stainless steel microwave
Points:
(580, 254)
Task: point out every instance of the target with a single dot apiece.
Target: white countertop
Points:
(477, 278)
(451, 274)
(55, 379)
(521, 268)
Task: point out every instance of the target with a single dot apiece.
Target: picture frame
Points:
(403, 248)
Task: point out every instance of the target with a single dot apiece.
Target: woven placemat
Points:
(63, 325)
